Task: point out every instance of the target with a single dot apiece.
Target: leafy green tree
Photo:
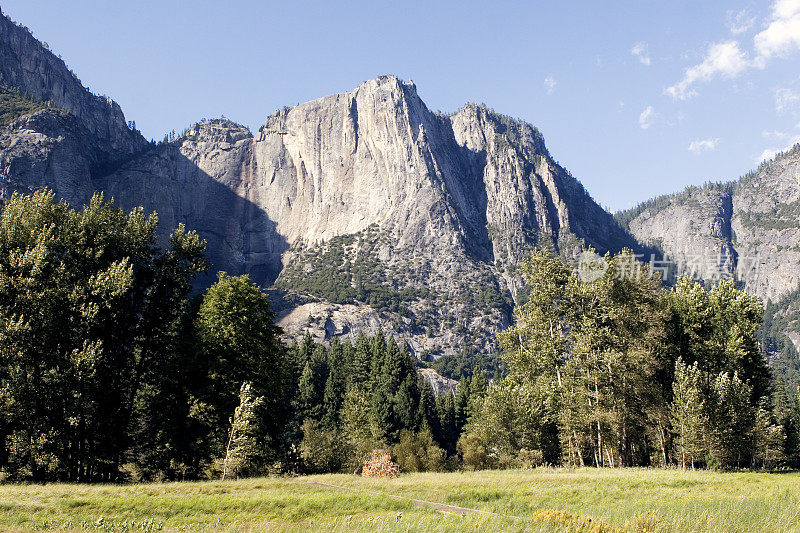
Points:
(239, 342)
(731, 421)
(88, 306)
(769, 439)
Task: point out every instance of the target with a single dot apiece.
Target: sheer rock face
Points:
(453, 203)
(371, 210)
(750, 228)
(29, 65)
(694, 232)
(48, 149)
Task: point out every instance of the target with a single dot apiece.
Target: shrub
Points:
(472, 451)
(324, 450)
(418, 452)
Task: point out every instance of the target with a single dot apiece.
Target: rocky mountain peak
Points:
(29, 65)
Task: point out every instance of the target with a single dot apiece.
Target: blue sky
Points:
(635, 98)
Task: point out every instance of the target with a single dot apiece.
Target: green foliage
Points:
(345, 269)
(89, 311)
(688, 416)
(325, 450)
(247, 452)
(107, 365)
(14, 104)
(238, 342)
(784, 216)
(418, 452)
(597, 372)
(462, 364)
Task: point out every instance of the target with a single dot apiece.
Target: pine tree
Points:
(406, 404)
(462, 404)
(447, 422)
(333, 395)
(689, 420)
(427, 415)
(311, 386)
(361, 367)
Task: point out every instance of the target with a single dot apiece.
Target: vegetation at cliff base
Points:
(14, 104)
(112, 370)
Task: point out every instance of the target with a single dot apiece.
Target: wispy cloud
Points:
(640, 50)
(646, 117)
(786, 100)
(740, 21)
(769, 153)
(724, 59)
(705, 145)
(549, 84)
(787, 141)
(727, 59)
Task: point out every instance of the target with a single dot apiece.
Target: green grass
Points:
(541, 500)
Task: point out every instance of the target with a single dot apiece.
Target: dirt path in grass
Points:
(441, 507)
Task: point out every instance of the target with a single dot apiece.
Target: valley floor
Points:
(526, 500)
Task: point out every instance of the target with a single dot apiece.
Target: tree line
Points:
(623, 371)
(113, 368)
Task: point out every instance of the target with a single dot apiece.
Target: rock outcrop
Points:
(365, 209)
(748, 229)
(382, 213)
(29, 65)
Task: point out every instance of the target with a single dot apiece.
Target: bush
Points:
(324, 450)
(472, 451)
(418, 452)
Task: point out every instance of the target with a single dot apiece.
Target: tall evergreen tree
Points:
(689, 420)
(335, 385)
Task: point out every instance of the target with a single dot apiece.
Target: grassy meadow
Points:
(526, 500)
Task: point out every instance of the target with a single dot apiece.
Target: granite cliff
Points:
(748, 229)
(369, 211)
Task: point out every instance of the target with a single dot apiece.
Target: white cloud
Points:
(782, 36)
(705, 145)
(786, 100)
(646, 117)
(640, 50)
(724, 59)
(740, 21)
(549, 84)
(774, 133)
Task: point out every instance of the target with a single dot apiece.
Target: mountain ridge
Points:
(362, 210)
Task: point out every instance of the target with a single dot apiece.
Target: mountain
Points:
(361, 210)
(368, 210)
(748, 229)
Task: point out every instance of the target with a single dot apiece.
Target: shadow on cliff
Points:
(241, 238)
